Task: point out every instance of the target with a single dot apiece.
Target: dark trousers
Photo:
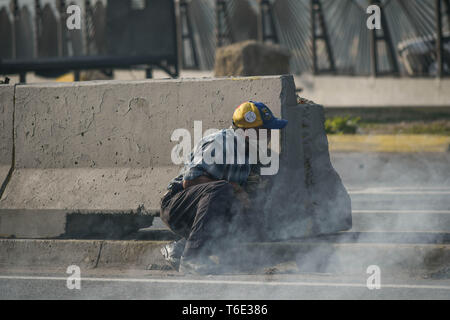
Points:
(203, 214)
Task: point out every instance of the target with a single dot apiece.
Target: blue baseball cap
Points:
(269, 120)
(252, 114)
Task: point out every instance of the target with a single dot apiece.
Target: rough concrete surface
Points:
(6, 133)
(123, 254)
(317, 202)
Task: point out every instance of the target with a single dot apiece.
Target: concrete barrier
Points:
(99, 146)
(6, 133)
(310, 198)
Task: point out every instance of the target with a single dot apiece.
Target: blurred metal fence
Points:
(323, 36)
(113, 34)
(355, 49)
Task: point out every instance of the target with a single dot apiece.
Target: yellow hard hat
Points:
(252, 114)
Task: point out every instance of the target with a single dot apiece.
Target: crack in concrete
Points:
(13, 154)
(99, 254)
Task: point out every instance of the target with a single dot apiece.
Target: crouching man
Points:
(206, 203)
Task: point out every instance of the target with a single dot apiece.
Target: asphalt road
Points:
(390, 192)
(394, 170)
(148, 285)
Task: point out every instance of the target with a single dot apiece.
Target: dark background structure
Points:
(323, 36)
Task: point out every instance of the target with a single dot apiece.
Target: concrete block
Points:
(6, 132)
(106, 145)
(309, 197)
(330, 201)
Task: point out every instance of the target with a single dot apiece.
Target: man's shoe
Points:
(172, 253)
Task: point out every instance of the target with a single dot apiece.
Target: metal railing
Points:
(113, 34)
